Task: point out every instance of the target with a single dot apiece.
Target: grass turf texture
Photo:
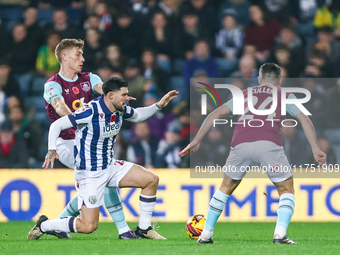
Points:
(230, 238)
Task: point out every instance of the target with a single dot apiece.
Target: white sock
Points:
(208, 234)
(64, 224)
(123, 230)
(147, 206)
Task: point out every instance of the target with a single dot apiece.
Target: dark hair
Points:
(113, 84)
(270, 72)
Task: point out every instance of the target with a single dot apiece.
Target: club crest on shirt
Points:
(75, 90)
(85, 86)
(92, 200)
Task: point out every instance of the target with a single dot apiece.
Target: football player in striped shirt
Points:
(98, 124)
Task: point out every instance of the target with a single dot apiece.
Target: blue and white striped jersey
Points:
(96, 134)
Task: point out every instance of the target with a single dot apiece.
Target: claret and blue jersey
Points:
(96, 134)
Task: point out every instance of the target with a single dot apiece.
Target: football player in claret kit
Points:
(65, 92)
(258, 145)
(98, 124)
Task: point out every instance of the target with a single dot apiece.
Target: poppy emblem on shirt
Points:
(77, 185)
(113, 118)
(75, 90)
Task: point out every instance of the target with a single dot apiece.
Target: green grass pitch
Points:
(229, 238)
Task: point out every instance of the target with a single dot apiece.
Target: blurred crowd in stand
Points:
(158, 45)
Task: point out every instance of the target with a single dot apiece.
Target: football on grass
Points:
(195, 226)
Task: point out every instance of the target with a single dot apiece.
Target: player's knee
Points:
(89, 228)
(155, 180)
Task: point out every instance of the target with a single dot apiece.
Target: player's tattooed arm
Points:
(49, 158)
(60, 106)
(219, 113)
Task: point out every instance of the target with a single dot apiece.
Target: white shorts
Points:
(65, 150)
(90, 185)
(265, 156)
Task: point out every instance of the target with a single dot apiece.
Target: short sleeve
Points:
(52, 90)
(229, 104)
(94, 80)
(81, 116)
(129, 111)
(292, 109)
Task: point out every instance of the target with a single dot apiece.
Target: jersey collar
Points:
(66, 79)
(103, 105)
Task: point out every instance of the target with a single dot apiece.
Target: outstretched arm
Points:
(142, 113)
(309, 131)
(206, 125)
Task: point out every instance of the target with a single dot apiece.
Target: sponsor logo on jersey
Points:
(101, 115)
(111, 130)
(75, 90)
(85, 86)
(51, 93)
(67, 91)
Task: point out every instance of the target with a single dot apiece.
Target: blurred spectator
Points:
(13, 150)
(89, 10)
(241, 7)
(7, 83)
(329, 15)
(171, 10)
(153, 72)
(326, 147)
(159, 38)
(277, 9)
(215, 149)
(159, 121)
(47, 63)
(302, 14)
(201, 60)
(190, 32)
(104, 70)
(295, 45)
(115, 57)
(261, 31)
(206, 12)
(318, 65)
(93, 21)
(326, 42)
(283, 57)
(247, 69)
(23, 52)
(30, 20)
(229, 39)
(61, 24)
(316, 103)
(168, 149)
(295, 148)
(29, 131)
(143, 148)
(93, 49)
(105, 17)
(229, 42)
(126, 34)
(136, 82)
